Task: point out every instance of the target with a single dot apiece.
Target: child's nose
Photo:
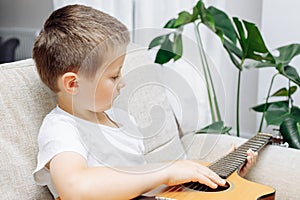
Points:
(121, 84)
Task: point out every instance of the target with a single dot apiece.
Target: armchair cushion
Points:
(24, 101)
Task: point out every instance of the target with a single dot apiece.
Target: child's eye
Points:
(115, 77)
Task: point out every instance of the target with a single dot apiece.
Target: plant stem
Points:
(266, 103)
(214, 106)
(205, 74)
(289, 96)
(238, 104)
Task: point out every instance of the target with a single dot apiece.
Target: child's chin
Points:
(108, 107)
(115, 97)
(102, 109)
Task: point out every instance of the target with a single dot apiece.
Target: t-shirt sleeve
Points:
(56, 136)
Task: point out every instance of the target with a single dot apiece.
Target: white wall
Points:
(280, 26)
(27, 14)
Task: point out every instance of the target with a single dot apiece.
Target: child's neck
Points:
(104, 119)
(98, 118)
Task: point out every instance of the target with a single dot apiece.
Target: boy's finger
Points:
(212, 177)
(251, 156)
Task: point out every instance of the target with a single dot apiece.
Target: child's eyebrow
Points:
(116, 71)
(119, 70)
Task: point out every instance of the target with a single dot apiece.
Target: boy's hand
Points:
(250, 162)
(185, 171)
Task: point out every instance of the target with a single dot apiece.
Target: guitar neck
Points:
(226, 165)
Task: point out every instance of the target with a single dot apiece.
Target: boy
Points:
(79, 55)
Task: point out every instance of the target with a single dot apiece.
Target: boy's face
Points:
(97, 95)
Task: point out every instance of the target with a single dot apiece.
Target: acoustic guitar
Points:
(227, 167)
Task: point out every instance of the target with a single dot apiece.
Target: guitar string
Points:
(170, 191)
(179, 188)
(183, 188)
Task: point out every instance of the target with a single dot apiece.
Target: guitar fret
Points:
(228, 168)
(233, 164)
(237, 154)
(229, 160)
(235, 158)
(250, 146)
(226, 172)
(263, 140)
(253, 145)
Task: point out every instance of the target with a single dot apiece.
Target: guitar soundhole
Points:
(196, 186)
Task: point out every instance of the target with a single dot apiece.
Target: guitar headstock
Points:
(277, 140)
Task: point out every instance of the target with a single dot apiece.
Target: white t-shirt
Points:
(100, 145)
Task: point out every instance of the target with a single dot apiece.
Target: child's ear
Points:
(69, 82)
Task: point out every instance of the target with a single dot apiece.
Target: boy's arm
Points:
(73, 179)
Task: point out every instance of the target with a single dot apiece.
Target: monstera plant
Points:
(282, 113)
(246, 49)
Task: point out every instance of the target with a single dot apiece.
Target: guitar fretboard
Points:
(226, 165)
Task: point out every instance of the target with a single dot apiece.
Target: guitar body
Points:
(226, 167)
(237, 188)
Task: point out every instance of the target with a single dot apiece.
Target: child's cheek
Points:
(104, 94)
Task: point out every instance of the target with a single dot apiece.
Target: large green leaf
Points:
(276, 113)
(290, 132)
(223, 23)
(216, 127)
(290, 73)
(287, 53)
(254, 43)
(195, 13)
(184, 17)
(258, 64)
(177, 46)
(295, 113)
(251, 42)
(158, 41)
(233, 48)
(255, 47)
(205, 16)
(264, 107)
(232, 55)
(283, 92)
(170, 23)
(241, 33)
(165, 53)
